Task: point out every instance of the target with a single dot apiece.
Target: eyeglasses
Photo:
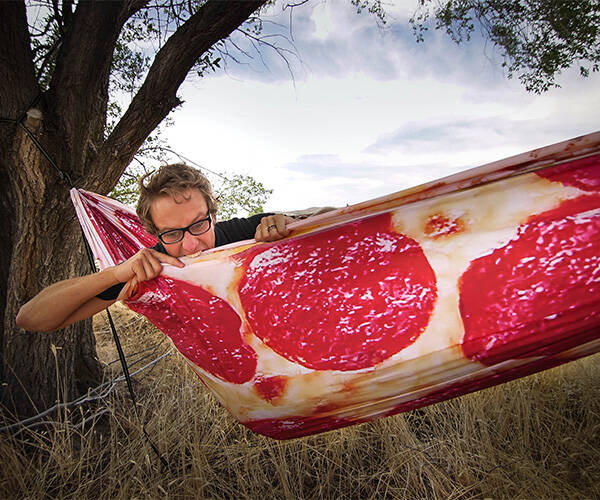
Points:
(176, 235)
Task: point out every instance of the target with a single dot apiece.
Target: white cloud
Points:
(371, 112)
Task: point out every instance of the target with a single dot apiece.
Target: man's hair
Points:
(171, 180)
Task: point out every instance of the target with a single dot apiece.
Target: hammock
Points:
(389, 305)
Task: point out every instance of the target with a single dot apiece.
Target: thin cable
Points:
(20, 121)
(195, 164)
(152, 348)
(165, 464)
(100, 392)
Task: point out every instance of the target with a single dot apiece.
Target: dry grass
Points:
(537, 437)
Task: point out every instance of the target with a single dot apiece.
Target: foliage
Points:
(126, 191)
(130, 63)
(239, 194)
(537, 38)
(374, 7)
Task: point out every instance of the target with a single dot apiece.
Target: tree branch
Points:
(67, 11)
(17, 84)
(214, 21)
(78, 90)
(86, 52)
(59, 19)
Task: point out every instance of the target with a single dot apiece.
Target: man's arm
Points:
(255, 226)
(52, 308)
(75, 299)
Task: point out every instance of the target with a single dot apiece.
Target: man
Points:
(177, 205)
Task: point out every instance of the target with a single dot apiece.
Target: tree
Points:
(241, 193)
(537, 38)
(55, 82)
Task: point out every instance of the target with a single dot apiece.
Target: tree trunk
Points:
(39, 240)
(44, 245)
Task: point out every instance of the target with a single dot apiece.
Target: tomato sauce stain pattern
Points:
(271, 388)
(439, 225)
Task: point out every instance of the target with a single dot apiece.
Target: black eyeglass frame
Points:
(184, 229)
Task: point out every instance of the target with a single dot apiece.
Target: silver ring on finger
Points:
(271, 227)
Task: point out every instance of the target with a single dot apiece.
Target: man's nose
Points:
(189, 242)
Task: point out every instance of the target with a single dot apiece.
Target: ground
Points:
(537, 437)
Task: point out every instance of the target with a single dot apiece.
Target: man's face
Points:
(180, 211)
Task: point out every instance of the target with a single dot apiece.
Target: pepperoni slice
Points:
(583, 174)
(204, 328)
(540, 293)
(342, 299)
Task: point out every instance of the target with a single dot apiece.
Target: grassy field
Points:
(537, 437)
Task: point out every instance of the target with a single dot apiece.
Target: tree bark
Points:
(41, 240)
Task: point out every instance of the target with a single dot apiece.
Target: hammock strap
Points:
(20, 121)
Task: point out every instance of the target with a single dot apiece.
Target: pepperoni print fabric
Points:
(386, 306)
(204, 328)
(523, 299)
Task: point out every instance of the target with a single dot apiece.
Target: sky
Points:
(363, 110)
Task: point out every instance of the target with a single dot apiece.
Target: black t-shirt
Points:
(226, 232)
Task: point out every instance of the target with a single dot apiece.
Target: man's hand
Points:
(75, 299)
(144, 265)
(273, 228)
